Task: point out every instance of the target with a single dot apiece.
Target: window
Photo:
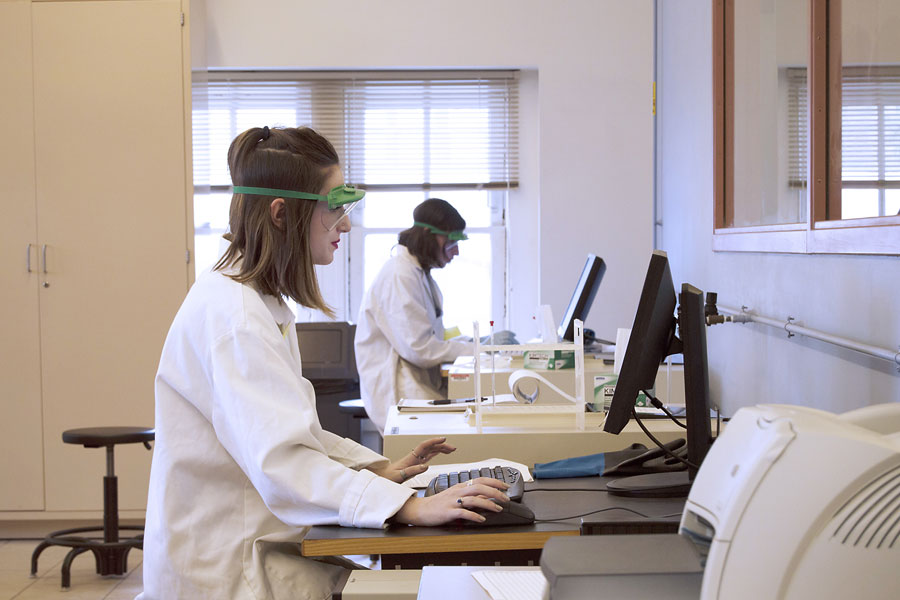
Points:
(870, 139)
(404, 137)
(807, 126)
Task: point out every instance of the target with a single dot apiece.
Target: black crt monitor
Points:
(653, 337)
(582, 297)
(326, 350)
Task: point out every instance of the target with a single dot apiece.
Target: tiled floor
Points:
(16, 582)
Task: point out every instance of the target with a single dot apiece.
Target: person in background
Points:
(400, 338)
(242, 467)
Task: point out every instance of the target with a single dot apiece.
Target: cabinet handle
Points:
(44, 258)
(28, 257)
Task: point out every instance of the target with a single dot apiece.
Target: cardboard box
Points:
(549, 360)
(605, 388)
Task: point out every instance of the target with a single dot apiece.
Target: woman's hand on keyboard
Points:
(457, 502)
(415, 462)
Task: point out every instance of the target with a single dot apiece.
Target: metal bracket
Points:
(790, 321)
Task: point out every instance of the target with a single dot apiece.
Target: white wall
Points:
(586, 183)
(850, 296)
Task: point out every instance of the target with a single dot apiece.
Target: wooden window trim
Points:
(819, 234)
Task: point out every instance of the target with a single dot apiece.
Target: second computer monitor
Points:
(652, 335)
(582, 297)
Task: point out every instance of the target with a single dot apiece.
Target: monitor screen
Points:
(326, 350)
(652, 334)
(582, 297)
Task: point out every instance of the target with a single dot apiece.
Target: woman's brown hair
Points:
(420, 241)
(276, 260)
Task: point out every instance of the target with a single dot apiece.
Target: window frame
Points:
(819, 234)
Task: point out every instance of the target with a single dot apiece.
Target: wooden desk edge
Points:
(531, 540)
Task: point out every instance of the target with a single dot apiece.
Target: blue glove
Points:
(501, 338)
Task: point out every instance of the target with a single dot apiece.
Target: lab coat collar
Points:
(281, 312)
(403, 253)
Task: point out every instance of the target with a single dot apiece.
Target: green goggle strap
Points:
(342, 194)
(453, 236)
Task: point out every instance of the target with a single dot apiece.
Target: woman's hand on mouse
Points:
(457, 502)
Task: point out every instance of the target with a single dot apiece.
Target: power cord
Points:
(659, 405)
(640, 514)
(660, 444)
(529, 490)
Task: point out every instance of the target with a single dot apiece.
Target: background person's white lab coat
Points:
(241, 465)
(400, 337)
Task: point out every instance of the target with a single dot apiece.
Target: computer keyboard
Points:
(508, 474)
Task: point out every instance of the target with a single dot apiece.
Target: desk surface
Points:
(555, 499)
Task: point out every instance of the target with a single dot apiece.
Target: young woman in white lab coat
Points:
(241, 467)
(399, 339)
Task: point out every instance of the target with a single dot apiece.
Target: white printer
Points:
(794, 502)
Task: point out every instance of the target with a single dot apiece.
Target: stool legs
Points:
(67, 565)
(111, 558)
(110, 555)
(37, 552)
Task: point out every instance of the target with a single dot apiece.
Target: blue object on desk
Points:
(585, 466)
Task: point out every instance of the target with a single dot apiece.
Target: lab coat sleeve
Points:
(349, 453)
(406, 323)
(264, 415)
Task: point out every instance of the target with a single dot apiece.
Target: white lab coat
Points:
(241, 466)
(399, 339)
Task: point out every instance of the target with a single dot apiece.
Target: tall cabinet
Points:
(97, 235)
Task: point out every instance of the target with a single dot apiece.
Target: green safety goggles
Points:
(453, 236)
(341, 200)
(339, 196)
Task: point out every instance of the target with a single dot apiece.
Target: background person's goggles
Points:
(341, 200)
(453, 237)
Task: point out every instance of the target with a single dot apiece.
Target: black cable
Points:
(566, 490)
(640, 514)
(658, 404)
(660, 444)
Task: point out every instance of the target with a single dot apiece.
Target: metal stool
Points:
(111, 553)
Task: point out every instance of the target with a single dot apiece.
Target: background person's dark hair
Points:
(277, 261)
(421, 242)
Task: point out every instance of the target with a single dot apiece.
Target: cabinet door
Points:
(21, 460)
(111, 169)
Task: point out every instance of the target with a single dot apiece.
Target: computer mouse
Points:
(513, 513)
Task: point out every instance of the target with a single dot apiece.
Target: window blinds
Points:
(798, 130)
(392, 130)
(870, 126)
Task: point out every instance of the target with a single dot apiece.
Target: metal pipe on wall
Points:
(742, 316)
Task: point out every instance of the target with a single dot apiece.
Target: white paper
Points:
(522, 584)
(422, 479)
(415, 405)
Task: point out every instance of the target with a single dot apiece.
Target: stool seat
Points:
(353, 407)
(96, 437)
